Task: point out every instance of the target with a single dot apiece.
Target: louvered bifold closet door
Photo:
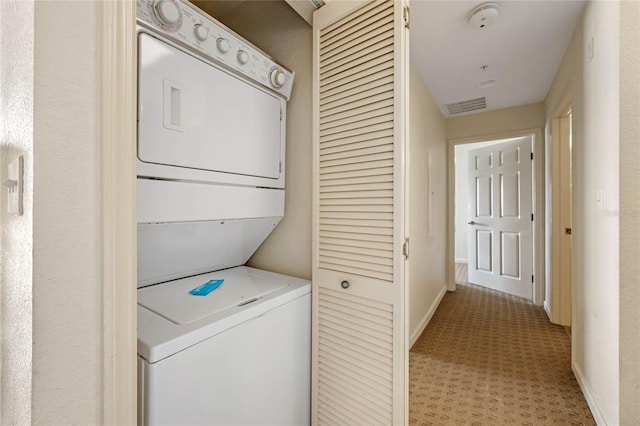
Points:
(359, 334)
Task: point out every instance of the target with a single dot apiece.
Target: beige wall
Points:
(606, 324)
(427, 206)
(278, 30)
(50, 256)
(67, 287)
(16, 133)
(597, 247)
(496, 122)
(629, 212)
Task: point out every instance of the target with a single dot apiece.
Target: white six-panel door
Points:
(360, 360)
(500, 217)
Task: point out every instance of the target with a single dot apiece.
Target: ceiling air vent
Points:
(466, 106)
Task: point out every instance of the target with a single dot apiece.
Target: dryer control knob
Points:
(200, 32)
(168, 12)
(243, 57)
(223, 45)
(277, 77)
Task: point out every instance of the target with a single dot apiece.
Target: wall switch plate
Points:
(599, 199)
(14, 185)
(590, 50)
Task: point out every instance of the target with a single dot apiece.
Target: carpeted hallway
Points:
(488, 358)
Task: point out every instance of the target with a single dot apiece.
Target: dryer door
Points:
(194, 115)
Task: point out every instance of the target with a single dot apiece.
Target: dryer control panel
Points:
(185, 24)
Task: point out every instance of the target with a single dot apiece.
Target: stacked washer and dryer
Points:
(211, 150)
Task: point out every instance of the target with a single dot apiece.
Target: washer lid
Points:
(173, 302)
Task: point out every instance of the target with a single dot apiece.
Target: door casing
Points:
(558, 303)
(538, 205)
(118, 99)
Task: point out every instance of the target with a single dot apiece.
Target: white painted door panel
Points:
(360, 340)
(500, 217)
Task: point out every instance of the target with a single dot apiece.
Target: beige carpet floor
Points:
(488, 358)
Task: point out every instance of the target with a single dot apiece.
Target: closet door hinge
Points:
(405, 248)
(406, 17)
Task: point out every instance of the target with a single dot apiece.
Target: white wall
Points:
(16, 138)
(277, 29)
(597, 250)
(51, 289)
(595, 87)
(461, 205)
(427, 206)
(67, 288)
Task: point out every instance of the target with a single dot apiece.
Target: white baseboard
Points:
(425, 320)
(588, 396)
(465, 261)
(547, 309)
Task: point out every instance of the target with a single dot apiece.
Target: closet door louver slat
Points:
(365, 347)
(359, 358)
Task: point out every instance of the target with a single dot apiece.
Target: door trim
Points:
(558, 303)
(538, 204)
(118, 99)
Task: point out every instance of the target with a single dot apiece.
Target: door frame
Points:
(538, 204)
(559, 309)
(118, 175)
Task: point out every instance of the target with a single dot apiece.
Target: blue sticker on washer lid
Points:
(206, 288)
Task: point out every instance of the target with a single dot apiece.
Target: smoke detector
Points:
(483, 15)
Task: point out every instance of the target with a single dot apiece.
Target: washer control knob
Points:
(277, 77)
(243, 57)
(223, 45)
(168, 12)
(200, 32)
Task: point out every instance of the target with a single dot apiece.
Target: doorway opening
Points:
(494, 234)
(558, 298)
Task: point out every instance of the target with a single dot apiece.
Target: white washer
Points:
(211, 145)
(238, 358)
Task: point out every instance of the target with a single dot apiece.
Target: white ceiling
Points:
(523, 48)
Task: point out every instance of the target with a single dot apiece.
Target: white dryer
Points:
(211, 145)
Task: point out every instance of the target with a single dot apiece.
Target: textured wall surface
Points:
(427, 204)
(594, 85)
(67, 318)
(629, 212)
(597, 251)
(16, 138)
(275, 28)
